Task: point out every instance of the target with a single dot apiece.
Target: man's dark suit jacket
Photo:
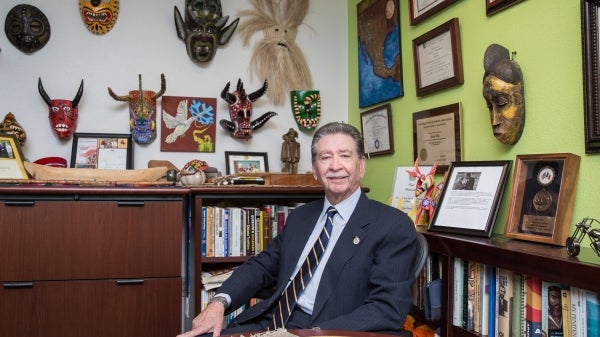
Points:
(366, 284)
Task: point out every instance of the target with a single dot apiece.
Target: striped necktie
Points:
(294, 289)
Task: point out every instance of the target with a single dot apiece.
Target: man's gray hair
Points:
(334, 128)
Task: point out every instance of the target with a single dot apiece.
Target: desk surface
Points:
(328, 333)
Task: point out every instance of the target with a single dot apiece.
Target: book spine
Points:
(203, 221)
(533, 310)
(564, 320)
(458, 292)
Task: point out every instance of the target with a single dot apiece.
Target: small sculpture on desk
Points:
(290, 152)
(423, 202)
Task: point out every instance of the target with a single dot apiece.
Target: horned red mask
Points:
(240, 111)
(62, 113)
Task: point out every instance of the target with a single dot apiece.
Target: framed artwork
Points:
(379, 54)
(438, 58)
(102, 151)
(471, 197)
(542, 198)
(188, 124)
(591, 62)
(495, 6)
(437, 136)
(376, 127)
(246, 162)
(422, 9)
(11, 158)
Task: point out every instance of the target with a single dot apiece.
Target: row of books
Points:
(206, 295)
(493, 301)
(240, 231)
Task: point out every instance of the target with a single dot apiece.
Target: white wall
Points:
(144, 41)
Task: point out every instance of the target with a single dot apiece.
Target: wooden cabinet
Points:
(91, 261)
(549, 263)
(241, 196)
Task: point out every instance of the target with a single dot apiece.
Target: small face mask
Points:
(99, 16)
(27, 28)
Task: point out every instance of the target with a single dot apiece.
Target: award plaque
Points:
(543, 193)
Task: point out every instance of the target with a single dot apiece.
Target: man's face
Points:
(554, 304)
(506, 105)
(338, 167)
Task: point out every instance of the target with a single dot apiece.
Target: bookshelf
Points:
(549, 263)
(237, 196)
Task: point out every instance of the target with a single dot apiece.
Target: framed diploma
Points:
(591, 66)
(471, 197)
(438, 58)
(376, 127)
(437, 136)
(422, 9)
(495, 6)
(102, 151)
(11, 158)
(542, 197)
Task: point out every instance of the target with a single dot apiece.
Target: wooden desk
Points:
(319, 332)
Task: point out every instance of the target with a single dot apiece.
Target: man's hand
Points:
(209, 320)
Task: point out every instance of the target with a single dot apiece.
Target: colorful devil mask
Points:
(240, 111)
(11, 126)
(142, 111)
(203, 29)
(27, 28)
(99, 16)
(306, 106)
(62, 113)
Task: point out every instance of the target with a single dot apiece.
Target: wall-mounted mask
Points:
(240, 111)
(99, 16)
(62, 113)
(204, 28)
(306, 106)
(27, 28)
(142, 111)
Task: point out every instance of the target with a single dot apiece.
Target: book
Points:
(578, 314)
(473, 296)
(516, 307)
(210, 231)
(504, 294)
(235, 222)
(592, 313)
(457, 308)
(554, 308)
(533, 307)
(488, 287)
(226, 229)
(465, 313)
(218, 229)
(203, 228)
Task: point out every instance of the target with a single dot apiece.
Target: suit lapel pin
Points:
(356, 240)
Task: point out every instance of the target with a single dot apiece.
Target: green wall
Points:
(546, 36)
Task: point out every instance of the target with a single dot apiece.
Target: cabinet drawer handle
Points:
(130, 203)
(129, 282)
(19, 203)
(18, 285)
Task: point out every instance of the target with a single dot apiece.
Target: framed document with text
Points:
(542, 197)
(437, 136)
(376, 127)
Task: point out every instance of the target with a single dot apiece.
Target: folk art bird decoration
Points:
(180, 123)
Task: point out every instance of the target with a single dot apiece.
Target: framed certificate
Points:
(438, 58)
(102, 151)
(376, 125)
(437, 136)
(422, 9)
(11, 158)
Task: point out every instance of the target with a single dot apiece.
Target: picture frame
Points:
(494, 6)
(471, 197)
(422, 9)
(437, 136)
(11, 158)
(379, 53)
(591, 65)
(102, 151)
(246, 162)
(376, 128)
(438, 58)
(542, 198)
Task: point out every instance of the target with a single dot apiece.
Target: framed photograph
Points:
(102, 151)
(495, 6)
(471, 197)
(246, 162)
(379, 53)
(437, 136)
(422, 9)
(11, 158)
(376, 127)
(591, 62)
(542, 198)
(438, 58)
